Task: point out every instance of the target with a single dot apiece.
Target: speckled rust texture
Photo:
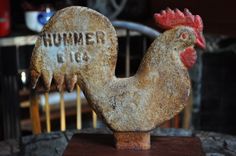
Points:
(132, 140)
(79, 45)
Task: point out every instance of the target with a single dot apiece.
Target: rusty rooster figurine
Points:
(79, 46)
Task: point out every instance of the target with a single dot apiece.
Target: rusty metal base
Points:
(132, 140)
(104, 145)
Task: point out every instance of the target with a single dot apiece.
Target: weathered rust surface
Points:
(79, 45)
(133, 140)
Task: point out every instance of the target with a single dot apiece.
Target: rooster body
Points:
(159, 90)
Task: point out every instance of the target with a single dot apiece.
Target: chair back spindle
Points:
(127, 54)
(62, 112)
(94, 120)
(47, 113)
(34, 114)
(78, 109)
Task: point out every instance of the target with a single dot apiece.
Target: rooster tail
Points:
(76, 41)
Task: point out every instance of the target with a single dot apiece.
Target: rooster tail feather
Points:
(47, 79)
(71, 80)
(59, 81)
(75, 41)
(34, 78)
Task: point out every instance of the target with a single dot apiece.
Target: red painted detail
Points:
(188, 57)
(4, 17)
(200, 40)
(184, 35)
(169, 19)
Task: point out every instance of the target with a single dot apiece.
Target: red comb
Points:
(169, 19)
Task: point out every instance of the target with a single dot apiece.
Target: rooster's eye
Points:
(184, 36)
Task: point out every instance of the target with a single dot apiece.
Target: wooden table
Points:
(214, 144)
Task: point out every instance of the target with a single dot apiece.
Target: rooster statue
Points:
(79, 46)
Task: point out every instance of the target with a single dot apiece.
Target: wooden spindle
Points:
(94, 120)
(47, 111)
(176, 121)
(127, 54)
(144, 45)
(62, 112)
(34, 114)
(188, 113)
(78, 110)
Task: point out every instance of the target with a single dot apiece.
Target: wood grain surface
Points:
(103, 145)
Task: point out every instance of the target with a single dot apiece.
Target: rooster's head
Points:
(187, 29)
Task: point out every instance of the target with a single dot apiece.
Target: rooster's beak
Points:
(200, 40)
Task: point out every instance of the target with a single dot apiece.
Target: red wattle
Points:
(188, 57)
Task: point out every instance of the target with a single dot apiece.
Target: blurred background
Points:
(23, 112)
